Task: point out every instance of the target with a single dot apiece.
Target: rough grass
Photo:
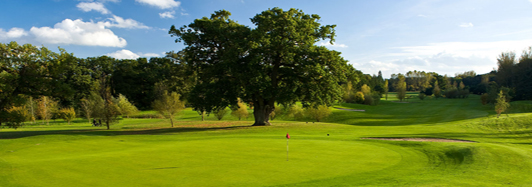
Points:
(147, 152)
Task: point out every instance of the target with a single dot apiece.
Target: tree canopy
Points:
(277, 61)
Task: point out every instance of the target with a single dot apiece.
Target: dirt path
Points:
(354, 110)
(422, 140)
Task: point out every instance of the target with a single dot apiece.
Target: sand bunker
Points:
(423, 140)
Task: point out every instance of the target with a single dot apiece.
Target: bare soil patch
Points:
(423, 140)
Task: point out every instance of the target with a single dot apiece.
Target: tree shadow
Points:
(118, 132)
(516, 136)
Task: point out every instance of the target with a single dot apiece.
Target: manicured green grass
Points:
(147, 152)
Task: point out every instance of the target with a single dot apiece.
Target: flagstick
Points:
(287, 149)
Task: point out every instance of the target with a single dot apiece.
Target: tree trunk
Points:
(262, 113)
(172, 120)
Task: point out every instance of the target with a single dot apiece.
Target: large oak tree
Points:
(277, 61)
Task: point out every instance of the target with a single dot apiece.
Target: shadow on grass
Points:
(101, 132)
(521, 135)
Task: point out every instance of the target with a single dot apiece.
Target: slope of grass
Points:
(147, 152)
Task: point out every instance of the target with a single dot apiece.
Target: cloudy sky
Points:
(443, 36)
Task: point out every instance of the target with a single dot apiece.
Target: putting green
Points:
(82, 162)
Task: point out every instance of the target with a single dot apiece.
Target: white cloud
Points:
(443, 58)
(327, 44)
(466, 25)
(123, 54)
(162, 4)
(96, 6)
(167, 14)
(186, 14)
(12, 33)
(149, 54)
(442, 63)
(78, 32)
(120, 22)
(465, 49)
(127, 54)
(530, 1)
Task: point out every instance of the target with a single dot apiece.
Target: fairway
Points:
(147, 152)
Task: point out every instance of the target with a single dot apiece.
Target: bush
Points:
(464, 93)
(359, 98)
(277, 112)
(220, 113)
(68, 114)
(241, 110)
(422, 96)
(368, 99)
(296, 112)
(376, 98)
(16, 116)
(484, 98)
(451, 93)
(319, 112)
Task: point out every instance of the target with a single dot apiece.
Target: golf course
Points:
(342, 150)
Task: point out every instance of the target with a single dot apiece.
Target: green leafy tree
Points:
(400, 87)
(68, 114)
(505, 71)
(92, 106)
(276, 61)
(169, 105)
(318, 113)
(348, 92)
(241, 110)
(437, 91)
(23, 72)
(501, 104)
(46, 108)
(386, 89)
(126, 107)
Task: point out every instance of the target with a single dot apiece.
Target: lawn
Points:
(147, 152)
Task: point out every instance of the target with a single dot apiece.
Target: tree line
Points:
(276, 62)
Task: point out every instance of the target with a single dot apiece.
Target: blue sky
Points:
(443, 36)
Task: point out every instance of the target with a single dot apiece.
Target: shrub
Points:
(319, 113)
(451, 93)
(16, 116)
(359, 98)
(220, 113)
(484, 98)
(368, 99)
(68, 114)
(241, 110)
(376, 98)
(296, 112)
(422, 96)
(277, 112)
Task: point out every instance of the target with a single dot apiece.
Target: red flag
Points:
(287, 136)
